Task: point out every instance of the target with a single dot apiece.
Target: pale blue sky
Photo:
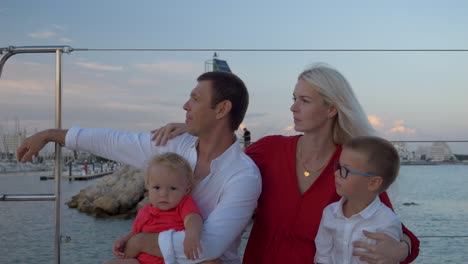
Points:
(413, 95)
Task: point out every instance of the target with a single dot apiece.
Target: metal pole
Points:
(58, 150)
(27, 197)
(58, 50)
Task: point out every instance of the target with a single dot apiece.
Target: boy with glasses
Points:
(367, 167)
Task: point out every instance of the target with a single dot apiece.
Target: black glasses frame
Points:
(344, 171)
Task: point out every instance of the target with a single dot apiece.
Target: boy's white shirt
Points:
(226, 197)
(336, 233)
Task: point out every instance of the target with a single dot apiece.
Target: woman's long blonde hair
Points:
(351, 121)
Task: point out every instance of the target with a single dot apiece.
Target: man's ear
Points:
(375, 183)
(223, 108)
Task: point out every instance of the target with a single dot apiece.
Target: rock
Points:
(106, 204)
(117, 194)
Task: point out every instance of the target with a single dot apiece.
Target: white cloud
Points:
(128, 107)
(375, 121)
(42, 34)
(65, 40)
(59, 27)
(391, 128)
(50, 33)
(399, 127)
(144, 82)
(30, 86)
(98, 66)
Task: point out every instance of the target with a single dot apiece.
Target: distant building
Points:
(12, 141)
(437, 152)
(403, 151)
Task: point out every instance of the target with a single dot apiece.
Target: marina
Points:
(77, 177)
(438, 216)
(132, 67)
(436, 153)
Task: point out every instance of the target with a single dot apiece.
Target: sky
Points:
(406, 95)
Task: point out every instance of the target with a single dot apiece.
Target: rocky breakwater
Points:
(119, 194)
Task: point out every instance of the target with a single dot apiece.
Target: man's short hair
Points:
(382, 157)
(227, 86)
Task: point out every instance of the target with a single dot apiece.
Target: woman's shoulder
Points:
(270, 145)
(277, 139)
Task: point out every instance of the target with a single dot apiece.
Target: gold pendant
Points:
(306, 173)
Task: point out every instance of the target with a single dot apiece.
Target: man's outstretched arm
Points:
(33, 144)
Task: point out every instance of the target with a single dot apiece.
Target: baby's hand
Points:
(118, 248)
(192, 246)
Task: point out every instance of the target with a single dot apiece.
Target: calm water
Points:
(440, 218)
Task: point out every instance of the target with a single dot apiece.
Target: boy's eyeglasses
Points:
(345, 171)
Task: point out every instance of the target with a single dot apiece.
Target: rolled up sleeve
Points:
(126, 147)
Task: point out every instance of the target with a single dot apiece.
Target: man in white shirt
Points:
(227, 182)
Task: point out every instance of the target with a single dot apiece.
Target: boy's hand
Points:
(192, 246)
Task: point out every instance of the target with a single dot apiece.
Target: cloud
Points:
(128, 107)
(173, 67)
(391, 128)
(42, 34)
(52, 31)
(29, 86)
(59, 27)
(144, 82)
(399, 127)
(98, 66)
(375, 121)
(65, 40)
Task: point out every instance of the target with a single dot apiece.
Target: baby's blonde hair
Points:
(172, 161)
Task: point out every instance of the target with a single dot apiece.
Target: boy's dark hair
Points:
(382, 157)
(227, 86)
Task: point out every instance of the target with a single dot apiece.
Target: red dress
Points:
(151, 219)
(287, 222)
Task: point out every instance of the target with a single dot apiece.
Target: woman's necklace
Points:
(307, 171)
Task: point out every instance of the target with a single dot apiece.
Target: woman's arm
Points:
(408, 236)
(161, 135)
(389, 250)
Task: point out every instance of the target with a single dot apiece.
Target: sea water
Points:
(432, 201)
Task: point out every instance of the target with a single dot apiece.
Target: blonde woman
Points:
(298, 175)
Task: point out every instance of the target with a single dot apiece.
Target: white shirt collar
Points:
(366, 213)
